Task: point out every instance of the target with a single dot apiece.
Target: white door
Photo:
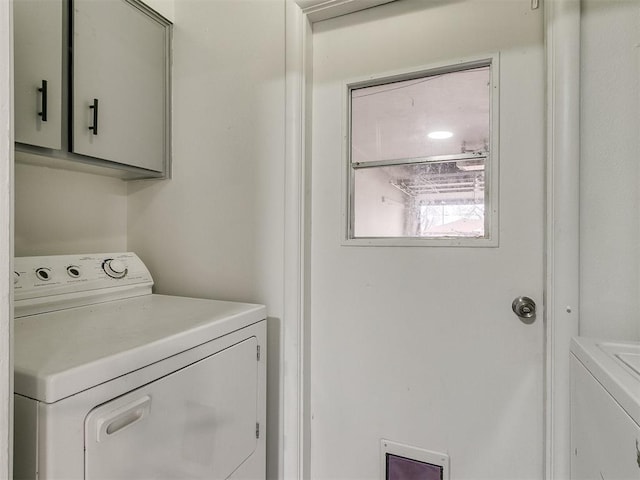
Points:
(419, 344)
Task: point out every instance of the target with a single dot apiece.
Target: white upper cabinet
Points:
(103, 68)
(120, 83)
(38, 72)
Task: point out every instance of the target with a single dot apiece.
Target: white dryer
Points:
(605, 410)
(114, 382)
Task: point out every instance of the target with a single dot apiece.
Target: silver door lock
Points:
(524, 307)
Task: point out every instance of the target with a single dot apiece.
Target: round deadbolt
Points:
(524, 307)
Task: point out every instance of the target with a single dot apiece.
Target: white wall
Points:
(609, 172)
(215, 229)
(61, 211)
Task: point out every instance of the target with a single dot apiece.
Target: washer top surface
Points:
(60, 353)
(616, 366)
(632, 360)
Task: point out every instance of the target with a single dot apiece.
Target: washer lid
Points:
(616, 366)
(632, 360)
(61, 353)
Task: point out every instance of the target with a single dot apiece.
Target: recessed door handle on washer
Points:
(123, 417)
(524, 307)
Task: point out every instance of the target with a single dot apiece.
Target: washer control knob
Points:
(114, 268)
(43, 274)
(74, 271)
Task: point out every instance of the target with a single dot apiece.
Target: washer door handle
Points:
(122, 418)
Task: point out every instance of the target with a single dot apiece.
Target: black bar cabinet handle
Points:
(43, 90)
(94, 127)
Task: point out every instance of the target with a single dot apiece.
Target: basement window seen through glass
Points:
(420, 156)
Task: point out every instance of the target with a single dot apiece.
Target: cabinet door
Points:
(119, 83)
(38, 72)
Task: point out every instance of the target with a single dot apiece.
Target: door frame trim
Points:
(562, 46)
(562, 282)
(6, 241)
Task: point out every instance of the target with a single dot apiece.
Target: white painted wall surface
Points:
(61, 211)
(215, 229)
(609, 171)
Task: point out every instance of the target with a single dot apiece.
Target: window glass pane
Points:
(420, 157)
(424, 200)
(408, 119)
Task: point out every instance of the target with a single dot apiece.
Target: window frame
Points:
(491, 238)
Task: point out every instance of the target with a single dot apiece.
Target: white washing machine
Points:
(114, 382)
(605, 410)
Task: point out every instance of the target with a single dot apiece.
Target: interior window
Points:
(420, 156)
